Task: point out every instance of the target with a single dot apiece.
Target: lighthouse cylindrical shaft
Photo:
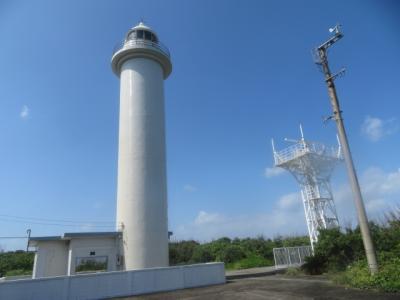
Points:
(142, 64)
(142, 191)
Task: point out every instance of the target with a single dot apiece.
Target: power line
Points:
(56, 220)
(55, 224)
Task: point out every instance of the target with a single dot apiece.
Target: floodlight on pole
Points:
(322, 60)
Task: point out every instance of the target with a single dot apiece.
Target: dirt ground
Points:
(270, 287)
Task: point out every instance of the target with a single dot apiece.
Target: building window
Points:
(132, 35)
(139, 34)
(92, 253)
(147, 35)
(91, 264)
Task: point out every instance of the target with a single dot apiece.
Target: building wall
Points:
(59, 258)
(51, 259)
(114, 284)
(85, 247)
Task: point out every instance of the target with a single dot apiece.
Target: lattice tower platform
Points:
(312, 164)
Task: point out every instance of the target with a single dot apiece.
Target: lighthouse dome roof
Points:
(142, 31)
(141, 41)
(142, 26)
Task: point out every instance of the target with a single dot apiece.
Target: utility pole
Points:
(28, 232)
(322, 56)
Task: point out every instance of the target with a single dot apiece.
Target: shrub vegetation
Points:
(16, 263)
(235, 253)
(341, 252)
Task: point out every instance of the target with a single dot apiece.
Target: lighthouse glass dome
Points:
(140, 34)
(141, 40)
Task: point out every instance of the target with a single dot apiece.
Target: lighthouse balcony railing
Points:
(302, 148)
(141, 43)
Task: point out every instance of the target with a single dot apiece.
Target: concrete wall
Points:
(114, 284)
(51, 259)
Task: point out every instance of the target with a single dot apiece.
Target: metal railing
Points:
(291, 256)
(302, 148)
(141, 43)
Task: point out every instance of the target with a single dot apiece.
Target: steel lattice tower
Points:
(312, 164)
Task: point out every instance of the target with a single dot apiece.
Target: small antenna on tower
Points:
(273, 149)
(301, 132)
(273, 145)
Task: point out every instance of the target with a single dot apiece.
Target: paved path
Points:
(270, 287)
(253, 272)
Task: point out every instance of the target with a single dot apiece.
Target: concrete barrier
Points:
(114, 284)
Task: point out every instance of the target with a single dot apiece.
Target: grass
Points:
(357, 275)
(252, 261)
(18, 272)
(294, 271)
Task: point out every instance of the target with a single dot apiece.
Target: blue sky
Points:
(242, 74)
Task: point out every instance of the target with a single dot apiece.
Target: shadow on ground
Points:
(271, 287)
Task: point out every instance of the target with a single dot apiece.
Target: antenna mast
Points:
(322, 60)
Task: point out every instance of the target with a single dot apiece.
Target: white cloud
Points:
(375, 129)
(381, 191)
(376, 205)
(273, 172)
(208, 218)
(212, 225)
(24, 114)
(189, 188)
(290, 201)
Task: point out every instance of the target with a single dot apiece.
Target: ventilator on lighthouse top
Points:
(141, 41)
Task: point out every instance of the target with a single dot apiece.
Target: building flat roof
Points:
(74, 235)
(45, 238)
(69, 235)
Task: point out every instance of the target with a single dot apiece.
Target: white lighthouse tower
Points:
(142, 63)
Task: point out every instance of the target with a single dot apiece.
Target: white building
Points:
(75, 253)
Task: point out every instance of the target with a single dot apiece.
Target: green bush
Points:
(388, 277)
(16, 260)
(337, 249)
(315, 265)
(231, 253)
(181, 252)
(293, 272)
(342, 252)
(251, 261)
(358, 275)
(202, 254)
(236, 253)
